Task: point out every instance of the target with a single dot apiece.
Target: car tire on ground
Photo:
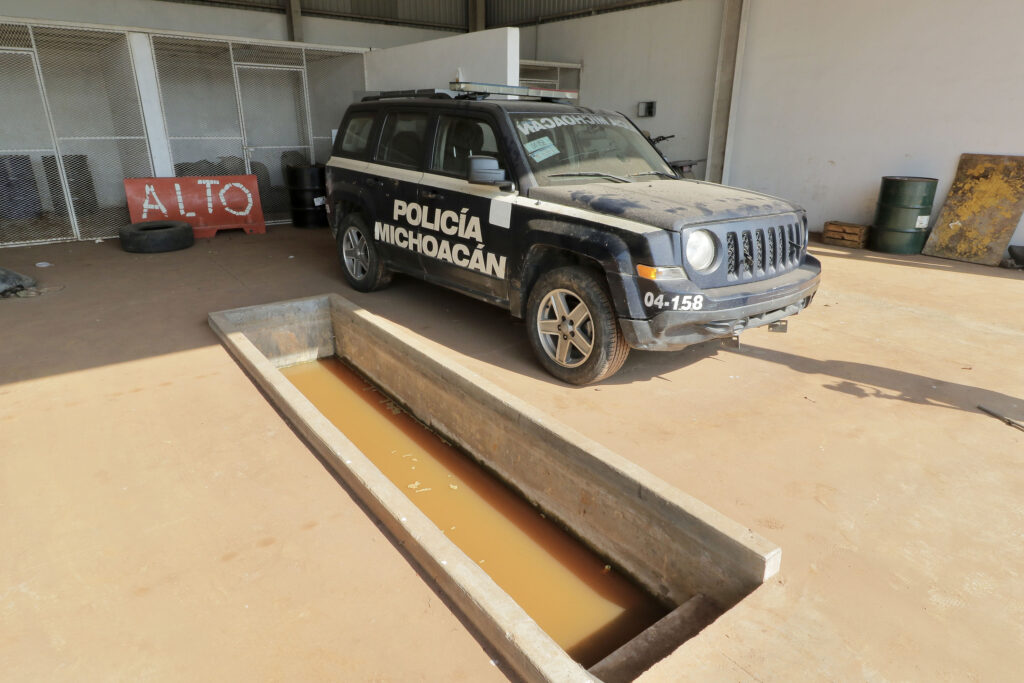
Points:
(572, 326)
(153, 237)
(360, 261)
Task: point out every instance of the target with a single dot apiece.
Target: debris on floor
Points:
(11, 282)
(1016, 259)
(1002, 418)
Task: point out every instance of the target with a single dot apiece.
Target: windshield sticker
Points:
(531, 126)
(541, 148)
(539, 143)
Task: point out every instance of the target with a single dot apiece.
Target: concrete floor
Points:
(159, 520)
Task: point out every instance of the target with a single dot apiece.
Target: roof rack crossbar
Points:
(420, 92)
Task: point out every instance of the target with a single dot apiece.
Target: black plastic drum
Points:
(307, 194)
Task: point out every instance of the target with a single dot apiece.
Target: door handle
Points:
(430, 194)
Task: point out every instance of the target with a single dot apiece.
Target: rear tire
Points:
(572, 326)
(361, 263)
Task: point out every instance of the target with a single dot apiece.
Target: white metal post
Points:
(152, 108)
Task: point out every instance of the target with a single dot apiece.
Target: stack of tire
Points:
(154, 237)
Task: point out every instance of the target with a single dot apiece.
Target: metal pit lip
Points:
(643, 515)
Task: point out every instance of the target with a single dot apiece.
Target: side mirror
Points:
(485, 171)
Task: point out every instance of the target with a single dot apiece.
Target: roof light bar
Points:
(521, 90)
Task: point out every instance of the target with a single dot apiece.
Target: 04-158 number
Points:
(684, 302)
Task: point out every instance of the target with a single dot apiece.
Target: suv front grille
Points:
(767, 250)
(756, 250)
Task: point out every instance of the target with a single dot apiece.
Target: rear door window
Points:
(403, 139)
(354, 141)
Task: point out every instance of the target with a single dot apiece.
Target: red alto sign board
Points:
(208, 204)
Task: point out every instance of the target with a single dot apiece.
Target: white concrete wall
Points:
(836, 94)
(188, 18)
(667, 53)
(484, 56)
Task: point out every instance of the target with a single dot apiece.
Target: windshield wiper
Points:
(589, 174)
(661, 173)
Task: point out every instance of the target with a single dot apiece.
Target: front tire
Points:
(572, 326)
(361, 263)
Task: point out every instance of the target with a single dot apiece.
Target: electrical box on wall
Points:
(646, 109)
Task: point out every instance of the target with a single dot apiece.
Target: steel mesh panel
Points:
(22, 117)
(273, 107)
(15, 35)
(332, 79)
(207, 157)
(274, 117)
(29, 195)
(268, 167)
(89, 82)
(197, 88)
(273, 55)
(96, 170)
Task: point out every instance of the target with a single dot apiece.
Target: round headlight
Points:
(700, 249)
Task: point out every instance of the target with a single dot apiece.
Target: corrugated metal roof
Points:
(445, 14)
(518, 12)
(439, 13)
(264, 5)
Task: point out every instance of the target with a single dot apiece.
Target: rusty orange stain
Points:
(982, 209)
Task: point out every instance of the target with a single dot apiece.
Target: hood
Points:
(668, 204)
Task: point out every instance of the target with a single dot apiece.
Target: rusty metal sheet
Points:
(208, 204)
(982, 210)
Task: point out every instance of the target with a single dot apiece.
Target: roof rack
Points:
(472, 90)
(433, 93)
(469, 90)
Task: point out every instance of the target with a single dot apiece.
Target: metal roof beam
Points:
(294, 21)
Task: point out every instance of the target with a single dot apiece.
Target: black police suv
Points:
(566, 216)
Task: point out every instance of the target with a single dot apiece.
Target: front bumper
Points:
(727, 311)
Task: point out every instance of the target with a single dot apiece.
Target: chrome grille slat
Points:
(747, 265)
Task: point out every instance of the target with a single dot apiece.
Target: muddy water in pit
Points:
(588, 609)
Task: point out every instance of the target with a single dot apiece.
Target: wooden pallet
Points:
(845, 234)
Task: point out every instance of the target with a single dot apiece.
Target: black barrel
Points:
(307, 194)
(903, 214)
(19, 195)
(83, 190)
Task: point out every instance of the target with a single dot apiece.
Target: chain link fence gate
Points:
(70, 131)
(72, 125)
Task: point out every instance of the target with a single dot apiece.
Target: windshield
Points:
(580, 148)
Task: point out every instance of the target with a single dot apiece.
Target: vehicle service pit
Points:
(852, 442)
(686, 561)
